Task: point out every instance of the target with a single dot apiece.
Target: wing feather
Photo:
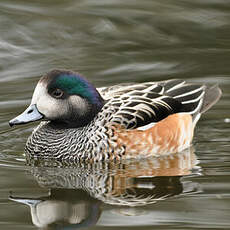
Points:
(137, 105)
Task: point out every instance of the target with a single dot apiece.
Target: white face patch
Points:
(50, 107)
(53, 108)
(38, 91)
(79, 104)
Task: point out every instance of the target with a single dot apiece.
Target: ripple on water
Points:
(112, 42)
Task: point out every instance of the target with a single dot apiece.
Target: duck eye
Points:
(57, 93)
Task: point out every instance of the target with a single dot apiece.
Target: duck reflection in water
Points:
(79, 194)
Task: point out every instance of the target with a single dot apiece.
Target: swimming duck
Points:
(123, 121)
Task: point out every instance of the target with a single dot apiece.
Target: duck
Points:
(125, 121)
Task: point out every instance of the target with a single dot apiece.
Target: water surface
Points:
(112, 42)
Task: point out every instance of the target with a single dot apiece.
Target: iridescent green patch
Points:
(74, 85)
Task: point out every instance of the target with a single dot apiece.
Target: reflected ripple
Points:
(77, 192)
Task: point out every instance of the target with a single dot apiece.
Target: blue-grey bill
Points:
(26, 201)
(29, 115)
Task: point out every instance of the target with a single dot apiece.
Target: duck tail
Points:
(211, 96)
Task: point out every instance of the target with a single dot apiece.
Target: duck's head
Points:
(63, 97)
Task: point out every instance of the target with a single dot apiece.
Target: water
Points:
(111, 42)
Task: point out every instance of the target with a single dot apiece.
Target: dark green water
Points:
(111, 42)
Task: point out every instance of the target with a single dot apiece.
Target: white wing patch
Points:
(146, 127)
